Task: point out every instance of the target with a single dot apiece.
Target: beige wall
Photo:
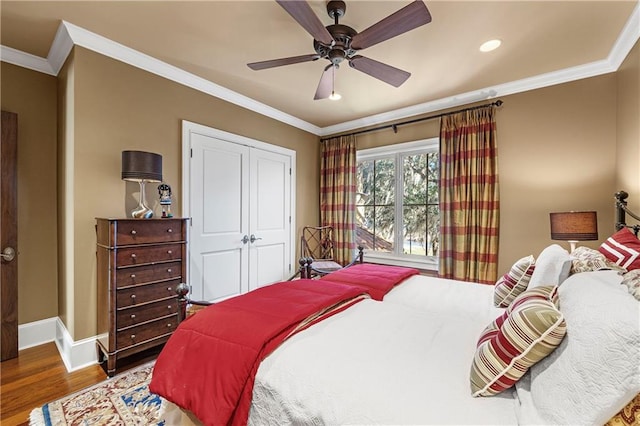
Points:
(557, 152)
(119, 107)
(32, 95)
(628, 138)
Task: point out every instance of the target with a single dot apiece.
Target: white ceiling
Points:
(207, 44)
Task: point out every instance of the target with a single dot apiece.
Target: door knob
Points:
(8, 254)
(253, 238)
(245, 239)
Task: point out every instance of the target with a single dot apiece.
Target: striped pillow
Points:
(622, 248)
(529, 330)
(514, 282)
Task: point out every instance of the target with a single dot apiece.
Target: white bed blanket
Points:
(439, 295)
(378, 363)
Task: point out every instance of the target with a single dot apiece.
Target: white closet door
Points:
(269, 217)
(219, 198)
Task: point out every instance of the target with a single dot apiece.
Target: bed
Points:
(410, 353)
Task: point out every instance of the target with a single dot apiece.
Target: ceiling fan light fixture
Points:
(490, 45)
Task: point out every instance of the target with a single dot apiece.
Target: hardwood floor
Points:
(39, 376)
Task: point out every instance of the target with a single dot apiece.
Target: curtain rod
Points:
(431, 117)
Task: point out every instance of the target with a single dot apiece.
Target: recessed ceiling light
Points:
(490, 45)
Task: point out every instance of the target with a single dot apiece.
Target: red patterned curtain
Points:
(469, 196)
(337, 193)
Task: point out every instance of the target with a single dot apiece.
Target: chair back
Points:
(317, 242)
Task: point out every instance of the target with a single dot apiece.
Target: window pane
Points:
(385, 182)
(433, 230)
(414, 219)
(373, 230)
(415, 179)
(364, 188)
(433, 176)
(384, 229)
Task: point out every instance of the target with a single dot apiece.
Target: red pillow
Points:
(622, 248)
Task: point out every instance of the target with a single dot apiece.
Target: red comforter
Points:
(209, 364)
(377, 279)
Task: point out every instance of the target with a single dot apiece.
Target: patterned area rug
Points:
(121, 400)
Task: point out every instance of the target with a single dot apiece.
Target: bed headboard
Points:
(622, 210)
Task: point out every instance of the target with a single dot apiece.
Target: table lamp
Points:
(141, 167)
(574, 227)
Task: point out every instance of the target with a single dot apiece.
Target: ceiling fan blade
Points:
(387, 73)
(283, 61)
(326, 83)
(409, 17)
(302, 13)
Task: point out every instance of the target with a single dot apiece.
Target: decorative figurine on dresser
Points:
(140, 264)
(165, 199)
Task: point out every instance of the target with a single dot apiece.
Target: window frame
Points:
(397, 152)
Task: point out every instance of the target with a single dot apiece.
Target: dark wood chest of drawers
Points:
(140, 262)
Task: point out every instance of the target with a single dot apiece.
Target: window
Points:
(397, 210)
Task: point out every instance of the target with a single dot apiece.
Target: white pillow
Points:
(552, 267)
(595, 371)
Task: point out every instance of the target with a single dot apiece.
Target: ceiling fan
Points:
(337, 42)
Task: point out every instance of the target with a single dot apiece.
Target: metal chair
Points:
(317, 244)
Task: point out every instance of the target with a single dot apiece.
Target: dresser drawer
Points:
(148, 273)
(140, 333)
(138, 314)
(148, 231)
(142, 294)
(144, 254)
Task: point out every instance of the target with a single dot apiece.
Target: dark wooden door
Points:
(9, 237)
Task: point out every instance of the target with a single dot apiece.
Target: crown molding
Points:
(25, 60)
(60, 48)
(69, 35)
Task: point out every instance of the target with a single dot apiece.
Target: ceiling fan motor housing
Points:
(341, 49)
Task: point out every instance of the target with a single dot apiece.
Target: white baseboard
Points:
(74, 354)
(36, 333)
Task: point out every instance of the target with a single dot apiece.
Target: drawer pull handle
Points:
(170, 230)
(133, 296)
(133, 275)
(133, 232)
(133, 336)
(169, 307)
(133, 255)
(169, 325)
(168, 288)
(169, 252)
(169, 270)
(133, 316)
